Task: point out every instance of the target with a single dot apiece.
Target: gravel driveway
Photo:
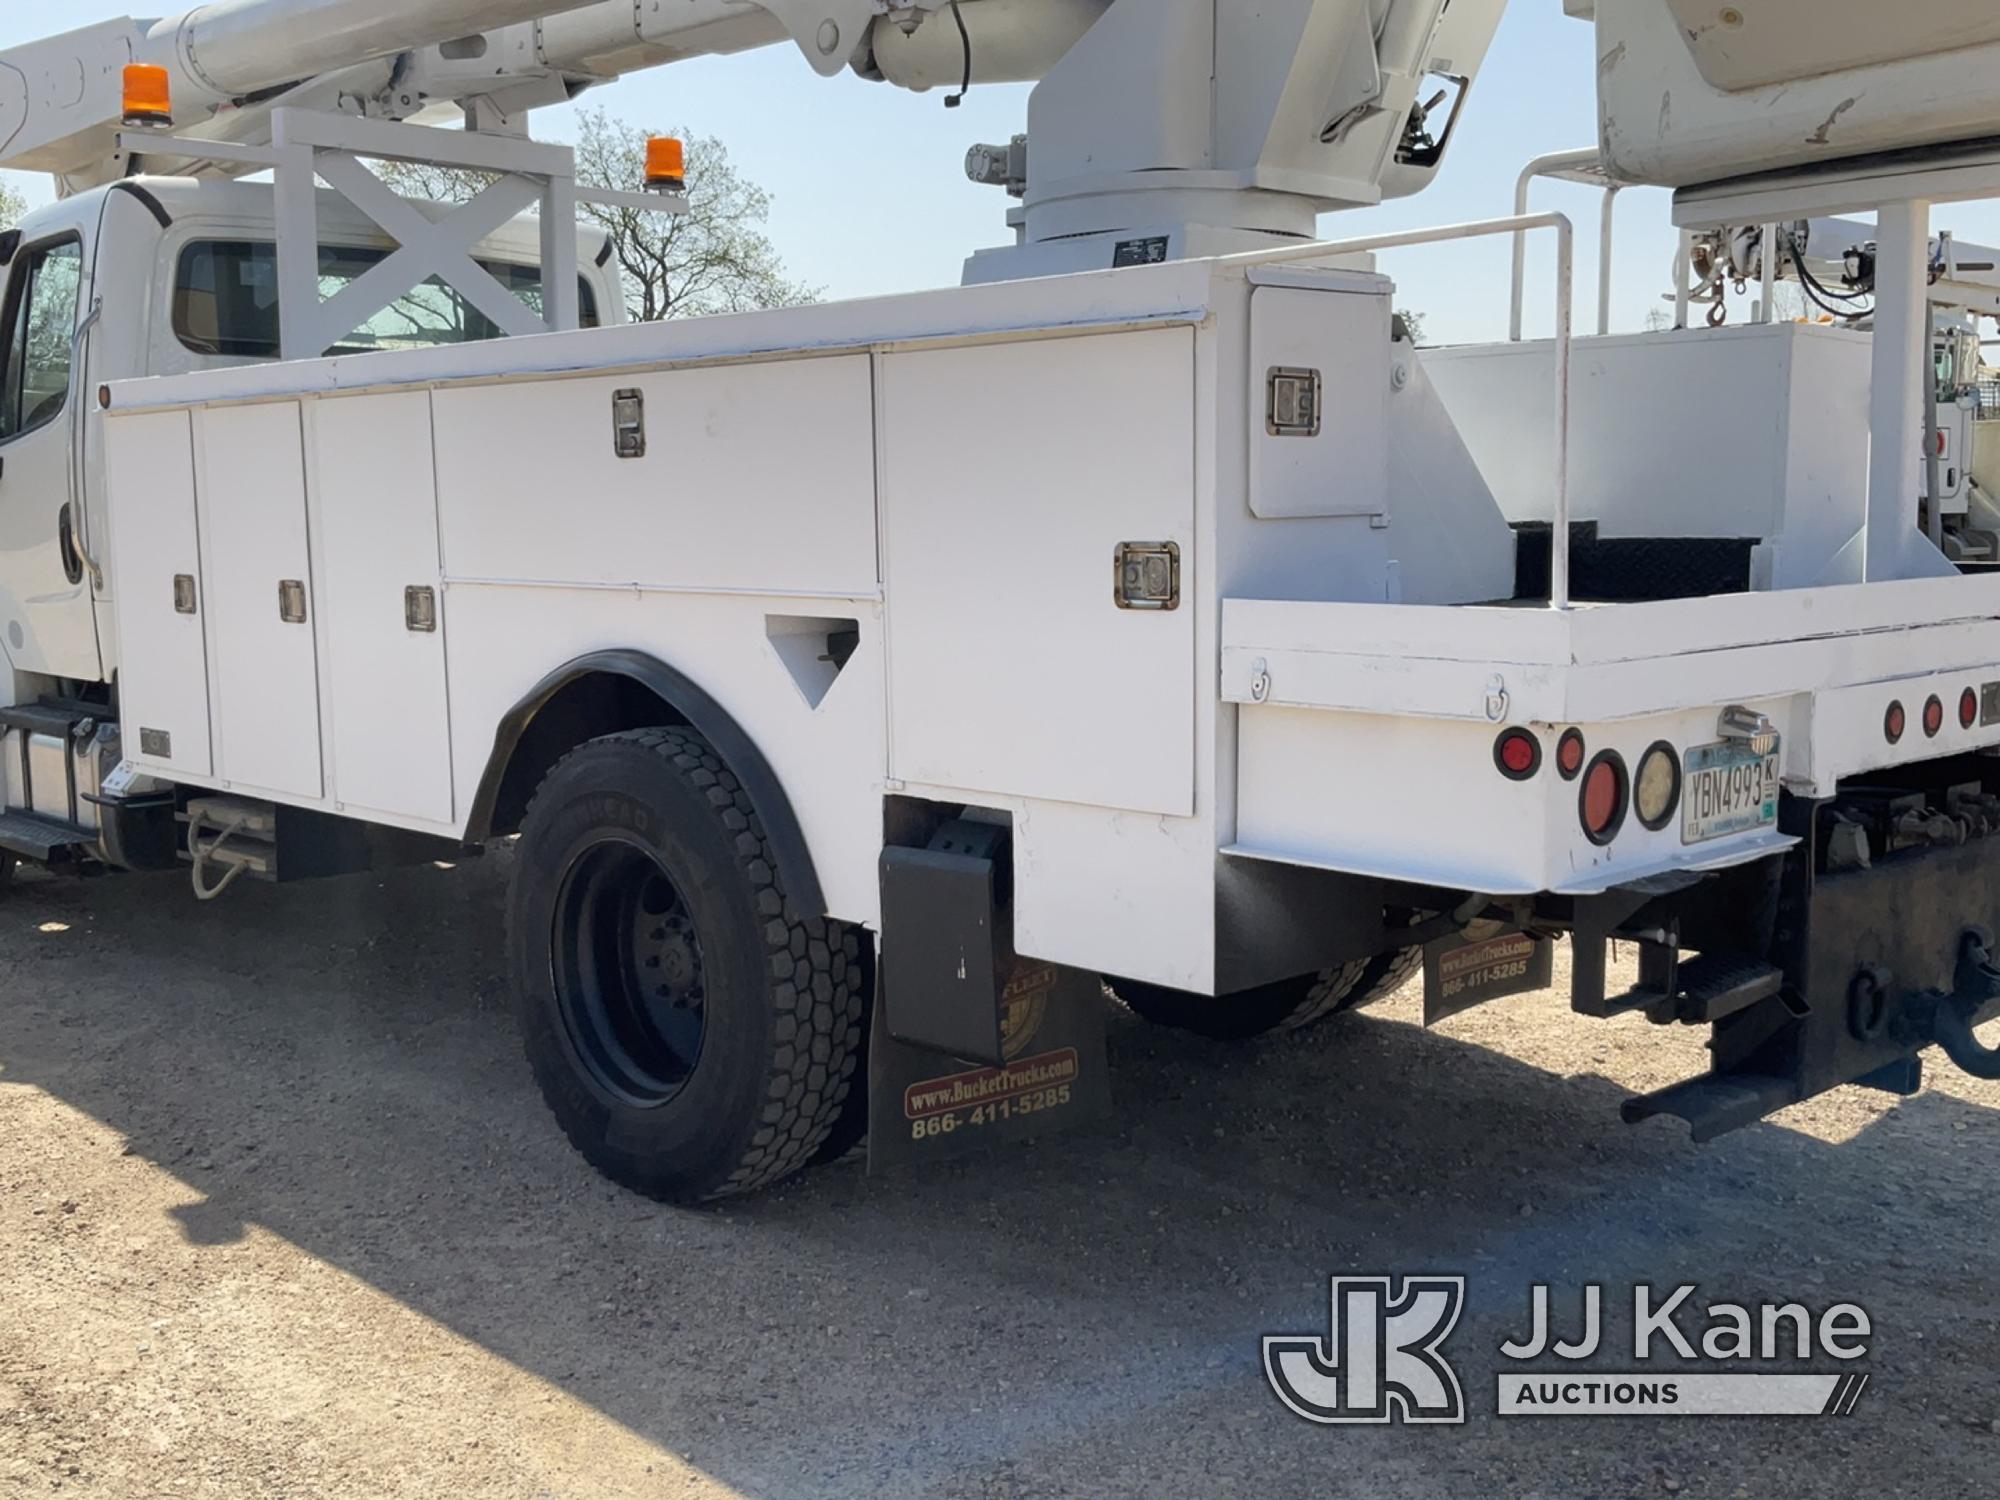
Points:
(281, 1215)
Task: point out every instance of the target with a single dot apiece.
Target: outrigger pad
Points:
(924, 1106)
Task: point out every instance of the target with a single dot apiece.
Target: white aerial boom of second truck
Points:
(866, 684)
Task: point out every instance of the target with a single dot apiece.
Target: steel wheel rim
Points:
(629, 978)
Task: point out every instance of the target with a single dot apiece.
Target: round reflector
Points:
(1518, 754)
(1893, 723)
(1933, 716)
(1657, 790)
(1968, 709)
(1601, 804)
(1569, 754)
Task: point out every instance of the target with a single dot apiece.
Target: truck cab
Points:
(199, 259)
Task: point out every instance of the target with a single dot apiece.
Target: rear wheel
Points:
(695, 1035)
(1289, 1005)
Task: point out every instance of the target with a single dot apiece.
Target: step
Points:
(43, 718)
(48, 841)
(1715, 1104)
(1705, 989)
(1714, 985)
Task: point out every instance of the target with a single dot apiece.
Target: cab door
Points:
(47, 622)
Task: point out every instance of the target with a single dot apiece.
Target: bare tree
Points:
(714, 258)
(1788, 303)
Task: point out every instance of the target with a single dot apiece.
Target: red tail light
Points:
(1606, 792)
(1518, 754)
(1569, 754)
(1894, 723)
(1933, 716)
(1968, 709)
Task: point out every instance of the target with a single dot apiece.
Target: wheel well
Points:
(610, 692)
(587, 708)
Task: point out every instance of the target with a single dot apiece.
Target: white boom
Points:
(1161, 122)
(61, 98)
(1184, 118)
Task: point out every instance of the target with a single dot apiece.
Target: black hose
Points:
(965, 39)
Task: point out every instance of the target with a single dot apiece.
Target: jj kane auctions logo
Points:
(1382, 1359)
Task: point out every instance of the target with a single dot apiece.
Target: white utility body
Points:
(864, 680)
(808, 472)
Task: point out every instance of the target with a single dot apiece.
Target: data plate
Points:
(1728, 789)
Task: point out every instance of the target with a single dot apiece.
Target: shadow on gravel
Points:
(337, 1064)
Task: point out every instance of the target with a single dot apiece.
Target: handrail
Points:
(78, 412)
(1567, 166)
(1519, 225)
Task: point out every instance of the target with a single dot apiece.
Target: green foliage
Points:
(13, 207)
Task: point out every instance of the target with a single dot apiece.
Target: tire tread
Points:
(811, 964)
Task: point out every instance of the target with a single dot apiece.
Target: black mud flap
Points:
(926, 1106)
(1461, 974)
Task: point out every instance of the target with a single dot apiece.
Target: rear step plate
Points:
(1715, 1104)
(1706, 989)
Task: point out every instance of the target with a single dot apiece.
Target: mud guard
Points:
(972, 1045)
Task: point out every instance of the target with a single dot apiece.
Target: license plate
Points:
(1728, 788)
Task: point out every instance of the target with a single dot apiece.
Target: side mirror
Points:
(10, 244)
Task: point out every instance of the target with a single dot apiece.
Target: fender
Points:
(686, 703)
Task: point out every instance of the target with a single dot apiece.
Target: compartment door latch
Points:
(1148, 575)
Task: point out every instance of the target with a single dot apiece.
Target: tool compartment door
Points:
(1013, 473)
(155, 564)
(1321, 449)
(257, 578)
(375, 534)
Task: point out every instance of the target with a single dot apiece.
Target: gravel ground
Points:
(281, 1215)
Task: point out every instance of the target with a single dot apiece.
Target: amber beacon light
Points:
(666, 164)
(149, 98)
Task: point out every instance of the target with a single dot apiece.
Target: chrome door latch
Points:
(628, 423)
(1147, 575)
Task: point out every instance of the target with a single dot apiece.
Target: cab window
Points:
(226, 301)
(41, 322)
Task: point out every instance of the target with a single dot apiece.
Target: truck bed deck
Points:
(1353, 687)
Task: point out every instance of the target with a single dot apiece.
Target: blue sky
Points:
(869, 195)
